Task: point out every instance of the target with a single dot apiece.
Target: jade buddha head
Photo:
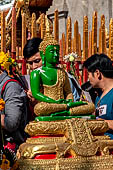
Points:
(49, 51)
(52, 55)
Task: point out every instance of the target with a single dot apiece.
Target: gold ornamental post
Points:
(85, 38)
(94, 33)
(43, 28)
(3, 32)
(90, 44)
(76, 38)
(24, 71)
(23, 31)
(68, 36)
(63, 45)
(33, 28)
(79, 46)
(13, 48)
(102, 36)
(111, 39)
(85, 46)
(56, 25)
(100, 43)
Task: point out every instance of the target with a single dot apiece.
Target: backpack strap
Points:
(4, 85)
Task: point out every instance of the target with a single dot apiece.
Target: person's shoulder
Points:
(13, 85)
(109, 96)
(110, 93)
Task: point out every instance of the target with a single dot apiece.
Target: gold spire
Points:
(48, 38)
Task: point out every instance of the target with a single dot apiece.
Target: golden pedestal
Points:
(82, 139)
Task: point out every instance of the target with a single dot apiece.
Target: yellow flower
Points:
(6, 61)
(2, 57)
(71, 58)
(6, 65)
(2, 103)
(13, 60)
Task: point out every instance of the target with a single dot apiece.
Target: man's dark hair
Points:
(31, 47)
(101, 62)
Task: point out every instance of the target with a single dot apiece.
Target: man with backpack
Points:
(14, 115)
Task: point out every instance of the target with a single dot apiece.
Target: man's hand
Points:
(33, 101)
(29, 94)
(2, 120)
(110, 123)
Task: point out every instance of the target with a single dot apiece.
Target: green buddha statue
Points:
(51, 87)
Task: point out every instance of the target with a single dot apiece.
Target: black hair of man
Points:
(101, 62)
(31, 47)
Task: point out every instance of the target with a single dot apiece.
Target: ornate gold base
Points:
(80, 138)
(78, 163)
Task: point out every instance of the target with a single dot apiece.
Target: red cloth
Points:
(46, 156)
(11, 146)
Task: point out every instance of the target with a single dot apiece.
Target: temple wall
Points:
(77, 9)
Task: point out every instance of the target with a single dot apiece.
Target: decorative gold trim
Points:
(77, 163)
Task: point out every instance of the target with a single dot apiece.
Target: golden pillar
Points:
(56, 25)
(90, 44)
(13, 47)
(111, 39)
(68, 36)
(63, 45)
(79, 46)
(33, 28)
(3, 32)
(100, 40)
(23, 31)
(24, 71)
(94, 33)
(61, 55)
(17, 53)
(102, 36)
(85, 38)
(76, 38)
(20, 53)
(43, 28)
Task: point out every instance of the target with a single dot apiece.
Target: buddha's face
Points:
(52, 55)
